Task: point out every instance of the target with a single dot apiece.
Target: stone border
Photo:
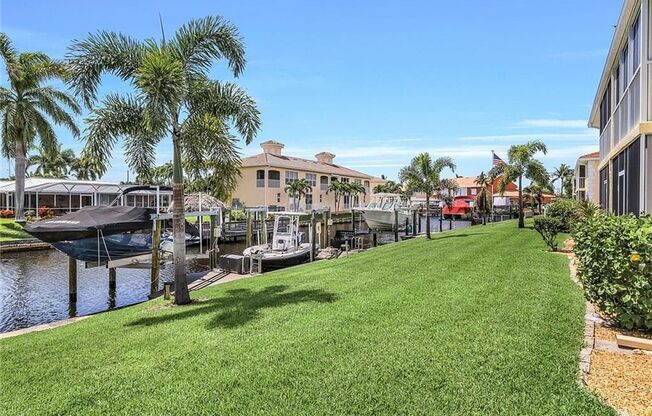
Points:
(590, 318)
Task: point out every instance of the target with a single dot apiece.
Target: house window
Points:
(321, 199)
(291, 176)
(347, 201)
(260, 178)
(274, 179)
(582, 171)
(604, 188)
(278, 197)
(474, 191)
(309, 201)
(605, 108)
(625, 71)
(366, 187)
(323, 183)
(344, 180)
(311, 178)
(625, 180)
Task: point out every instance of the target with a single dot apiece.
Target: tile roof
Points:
(593, 155)
(467, 182)
(289, 162)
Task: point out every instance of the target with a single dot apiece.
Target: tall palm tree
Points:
(483, 199)
(423, 175)
(29, 108)
(564, 174)
(173, 97)
(297, 189)
(521, 164)
(338, 189)
(52, 164)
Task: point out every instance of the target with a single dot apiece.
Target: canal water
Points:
(34, 284)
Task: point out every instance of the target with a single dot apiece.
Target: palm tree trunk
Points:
(521, 214)
(427, 215)
(181, 294)
(19, 172)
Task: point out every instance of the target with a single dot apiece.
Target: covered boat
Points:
(287, 247)
(379, 214)
(98, 233)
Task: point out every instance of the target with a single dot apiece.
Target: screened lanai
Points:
(67, 195)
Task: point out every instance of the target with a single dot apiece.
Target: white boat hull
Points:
(383, 220)
(279, 259)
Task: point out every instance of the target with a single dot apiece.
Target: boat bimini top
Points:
(385, 202)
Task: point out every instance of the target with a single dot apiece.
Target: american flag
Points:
(495, 160)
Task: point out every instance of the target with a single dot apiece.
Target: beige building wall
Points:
(252, 190)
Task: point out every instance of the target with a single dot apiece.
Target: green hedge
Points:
(615, 266)
(566, 211)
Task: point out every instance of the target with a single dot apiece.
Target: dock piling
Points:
(395, 225)
(112, 287)
(156, 261)
(414, 222)
(313, 235)
(72, 281)
(249, 231)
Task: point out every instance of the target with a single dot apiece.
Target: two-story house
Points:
(622, 110)
(264, 177)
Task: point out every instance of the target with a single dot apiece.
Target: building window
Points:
(278, 197)
(323, 183)
(604, 188)
(617, 83)
(291, 176)
(309, 201)
(260, 178)
(312, 179)
(274, 179)
(605, 108)
(474, 191)
(366, 187)
(235, 203)
(625, 70)
(636, 44)
(344, 180)
(626, 179)
(347, 201)
(320, 198)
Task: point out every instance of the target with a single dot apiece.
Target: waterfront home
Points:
(587, 177)
(264, 177)
(66, 195)
(622, 111)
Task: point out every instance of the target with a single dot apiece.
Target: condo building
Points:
(586, 186)
(622, 111)
(264, 177)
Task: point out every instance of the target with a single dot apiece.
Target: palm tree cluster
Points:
(340, 189)
(297, 189)
(564, 174)
(172, 100)
(424, 175)
(389, 187)
(60, 164)
(484, 197)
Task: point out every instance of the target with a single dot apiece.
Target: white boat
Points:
(287, 247)
(379, 214)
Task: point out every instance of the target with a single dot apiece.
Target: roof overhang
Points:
(612, 57)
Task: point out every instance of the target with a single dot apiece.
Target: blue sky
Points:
(377, 82)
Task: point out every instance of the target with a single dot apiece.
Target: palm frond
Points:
(200, 42)
(227, 101)
(103, 52)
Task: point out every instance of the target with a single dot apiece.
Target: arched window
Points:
(260, 178)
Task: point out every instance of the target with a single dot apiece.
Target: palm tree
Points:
(536, 191)
(565, 174)
(53, 164)
(354, 189)
(389, 187)
(483, 199)
(338, 189)
(173, 97)
(29, 108)
(423, 175)
(297, 189)
(521, 164)
(84, 169)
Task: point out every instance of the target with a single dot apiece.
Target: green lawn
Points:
(10, 230)
(480, 321)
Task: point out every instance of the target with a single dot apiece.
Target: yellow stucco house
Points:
(264, 177)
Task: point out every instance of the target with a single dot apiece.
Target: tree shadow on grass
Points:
(240, 306)
(443, 237)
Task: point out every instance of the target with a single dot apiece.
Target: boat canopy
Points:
(86, 223)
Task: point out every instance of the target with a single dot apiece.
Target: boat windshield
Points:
(389, 204)
(283, 226)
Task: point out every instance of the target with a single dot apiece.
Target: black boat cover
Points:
(87, 221)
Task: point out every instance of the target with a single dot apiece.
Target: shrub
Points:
(566, 211)
(45, 212)
(615, 266)
(7, 213)
(548, 228)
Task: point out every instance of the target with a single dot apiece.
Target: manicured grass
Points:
(479, 321)
(10, 230)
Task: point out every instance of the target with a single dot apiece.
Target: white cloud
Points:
(588, 135)
(551, 123)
